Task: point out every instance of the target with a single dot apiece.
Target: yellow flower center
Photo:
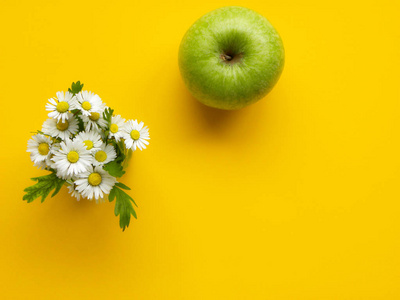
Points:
(86, 105)
(73, 156)
(100, 156)
(43, 148)
(114, 128)
(62, 106)
(62, 126)
(88, 144)
(135, 135)
(94, 116)
(94, 179)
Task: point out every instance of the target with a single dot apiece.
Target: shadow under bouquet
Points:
(87, 148)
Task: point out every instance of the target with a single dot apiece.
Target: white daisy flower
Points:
(71, 159)
(39, 147)
(40, 165)
(94, 122)
(104, 155)
(72, 189)
(135, 135)
(59, 107)
(61, 129)
(94, 183)
(88, 102)
(91, 139)
(48, 163)
(116, 127)
(45, 164)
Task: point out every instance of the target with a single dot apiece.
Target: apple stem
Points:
(226, 57)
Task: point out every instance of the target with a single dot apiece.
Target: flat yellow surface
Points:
(295, 197)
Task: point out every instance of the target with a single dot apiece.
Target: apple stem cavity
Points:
(231, 59)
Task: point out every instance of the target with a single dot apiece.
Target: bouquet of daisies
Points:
(87, 148)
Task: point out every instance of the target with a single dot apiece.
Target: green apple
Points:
(231, 57)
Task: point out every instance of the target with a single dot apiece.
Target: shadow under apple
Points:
(219, 122)
(213, 120)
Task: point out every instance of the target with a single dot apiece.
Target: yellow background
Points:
(295, 197)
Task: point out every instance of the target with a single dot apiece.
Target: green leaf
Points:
(114, 168)
(120, 152)
(111, 196)
(81, 126)
(76, 87)
(56, 190)
(122, 186)
(123, 206)
(45, 184)
(107, 114)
